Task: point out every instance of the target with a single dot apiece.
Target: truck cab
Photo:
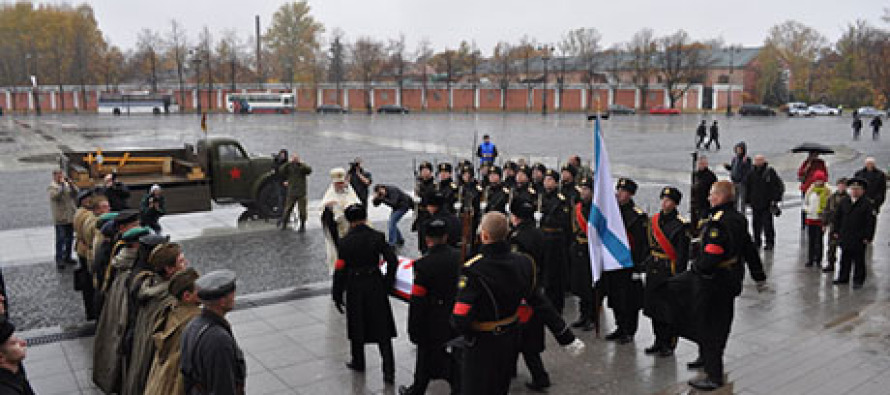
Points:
(237, 176)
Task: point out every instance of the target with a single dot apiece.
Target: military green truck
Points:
(217, 169)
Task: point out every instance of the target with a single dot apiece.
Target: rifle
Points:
(466, 222)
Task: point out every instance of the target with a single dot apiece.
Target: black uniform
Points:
(622, 287)
(357, 274)
(448, 189)
(496, 196)
(555, 224)
(469, 196)
(700, 132)
(422, 187)
(524, 192)
(669, 246)
(529, 240)
(212, 362)
(855, 224)
(432, 299)
(726, 247)
(701, 187)
(582, 277)
(490, 291)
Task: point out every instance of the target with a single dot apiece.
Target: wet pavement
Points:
(804, 336)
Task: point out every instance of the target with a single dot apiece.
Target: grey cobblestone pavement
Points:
(805, 336)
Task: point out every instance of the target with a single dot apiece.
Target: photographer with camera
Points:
(116, 192)
(62, 192)
(360, 180)
(152, 208)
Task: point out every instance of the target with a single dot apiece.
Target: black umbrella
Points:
(813, 147)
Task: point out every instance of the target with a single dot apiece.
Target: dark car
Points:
(331, 109)
(392, 109)
(620, 109)
(756, 109)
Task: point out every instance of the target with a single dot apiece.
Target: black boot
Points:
(302, 226)
(705, 384)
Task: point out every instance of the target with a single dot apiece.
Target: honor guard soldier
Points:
(496, 195)
(527, 239)
(523, 189)
(468, 210)
(579, 258)
(624, 287)
(491, 288)
(212, 362)
(357, 275)
(447, 186)
(555, 224)
(510, 168)
(538, 170)
(434, 203)
(424, 184)
(669, 255)
(567, 184)
(726, 248)
(432, 299)
(854, 222)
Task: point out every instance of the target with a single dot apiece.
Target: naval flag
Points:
(609, 249)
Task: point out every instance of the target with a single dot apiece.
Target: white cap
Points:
(154, 188)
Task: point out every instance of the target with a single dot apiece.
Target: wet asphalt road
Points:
(655, 149)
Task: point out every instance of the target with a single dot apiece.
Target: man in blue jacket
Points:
(487, 151)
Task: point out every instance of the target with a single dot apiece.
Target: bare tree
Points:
(423, 56)
(503, 61)
(613, 67)
(367, 56)
(682, 62)
(337, 69)
(205, 53)
(396, 53)
(148, 42)
(584, 45)
(229, 50)
(642, 50)
(177, 47)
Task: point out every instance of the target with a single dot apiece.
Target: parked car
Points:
(662, 110)
(392, 109)
(821, 109)
(798, 109)
(870, 112)
(331, 109)
(756, 109)
(620, 109)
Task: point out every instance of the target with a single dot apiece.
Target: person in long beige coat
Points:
(165, 377)
(152, 297)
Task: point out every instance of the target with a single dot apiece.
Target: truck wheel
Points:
(267, 201)
(156, 111)
(116, 111)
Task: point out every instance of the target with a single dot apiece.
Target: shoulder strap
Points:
(662, 240)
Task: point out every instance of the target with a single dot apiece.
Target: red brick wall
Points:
(437, 99)
(517, 99)
(357, 100)
(463, 99)
(412, 99)
(625, 97)
(571, 100)
(306, 98)
(385, 96)
(490, 99)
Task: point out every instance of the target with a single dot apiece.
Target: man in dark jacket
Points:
(876, 181)
(703, 178)
(714, 136)
(12, 352)
(152, 208)
(876, 124)
(555, 209)
(212, 362)
(400, 203)
(432, 299)
(700, 133)
(764, 189)
(295, 173)
(434, 203)
(624, 287)
(739, 169)
(360, 180)
(726, 248)
(116, 192)
(357, 275)
(669, 256)
(854, 222)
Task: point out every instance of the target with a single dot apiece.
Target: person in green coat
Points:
(295, 173)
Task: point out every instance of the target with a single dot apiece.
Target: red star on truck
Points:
(235, 173)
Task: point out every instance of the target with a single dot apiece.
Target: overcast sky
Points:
(447, 22)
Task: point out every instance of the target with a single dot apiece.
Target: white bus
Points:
(136, 103)
(257, 103)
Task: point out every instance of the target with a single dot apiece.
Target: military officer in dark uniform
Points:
(432, 299)
(567, 183)
(528, 239)
(357, 274)
(624, 287)
(669, 255)
(726, 248)
(854, 221)
(582, 277)
(212, 362)
(434, 203)
(523, 189)
(447, 186)
(510, 168)
(555, 224)
(538, 170)
(496, 195)
(490, 290)
(424, 184)
(469, 194)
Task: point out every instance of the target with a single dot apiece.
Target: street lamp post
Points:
(546, 58)
(196, 63)
(732, 51)
(475, 58)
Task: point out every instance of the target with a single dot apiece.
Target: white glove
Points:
(538, 216)
(575, 348)
(458, 206)
(638, 276)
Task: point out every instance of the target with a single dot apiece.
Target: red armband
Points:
(339, 264)
(524, 312)
(714, 249)
(461, 308)
(418, 290)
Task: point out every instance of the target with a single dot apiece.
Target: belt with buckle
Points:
(495, 327)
